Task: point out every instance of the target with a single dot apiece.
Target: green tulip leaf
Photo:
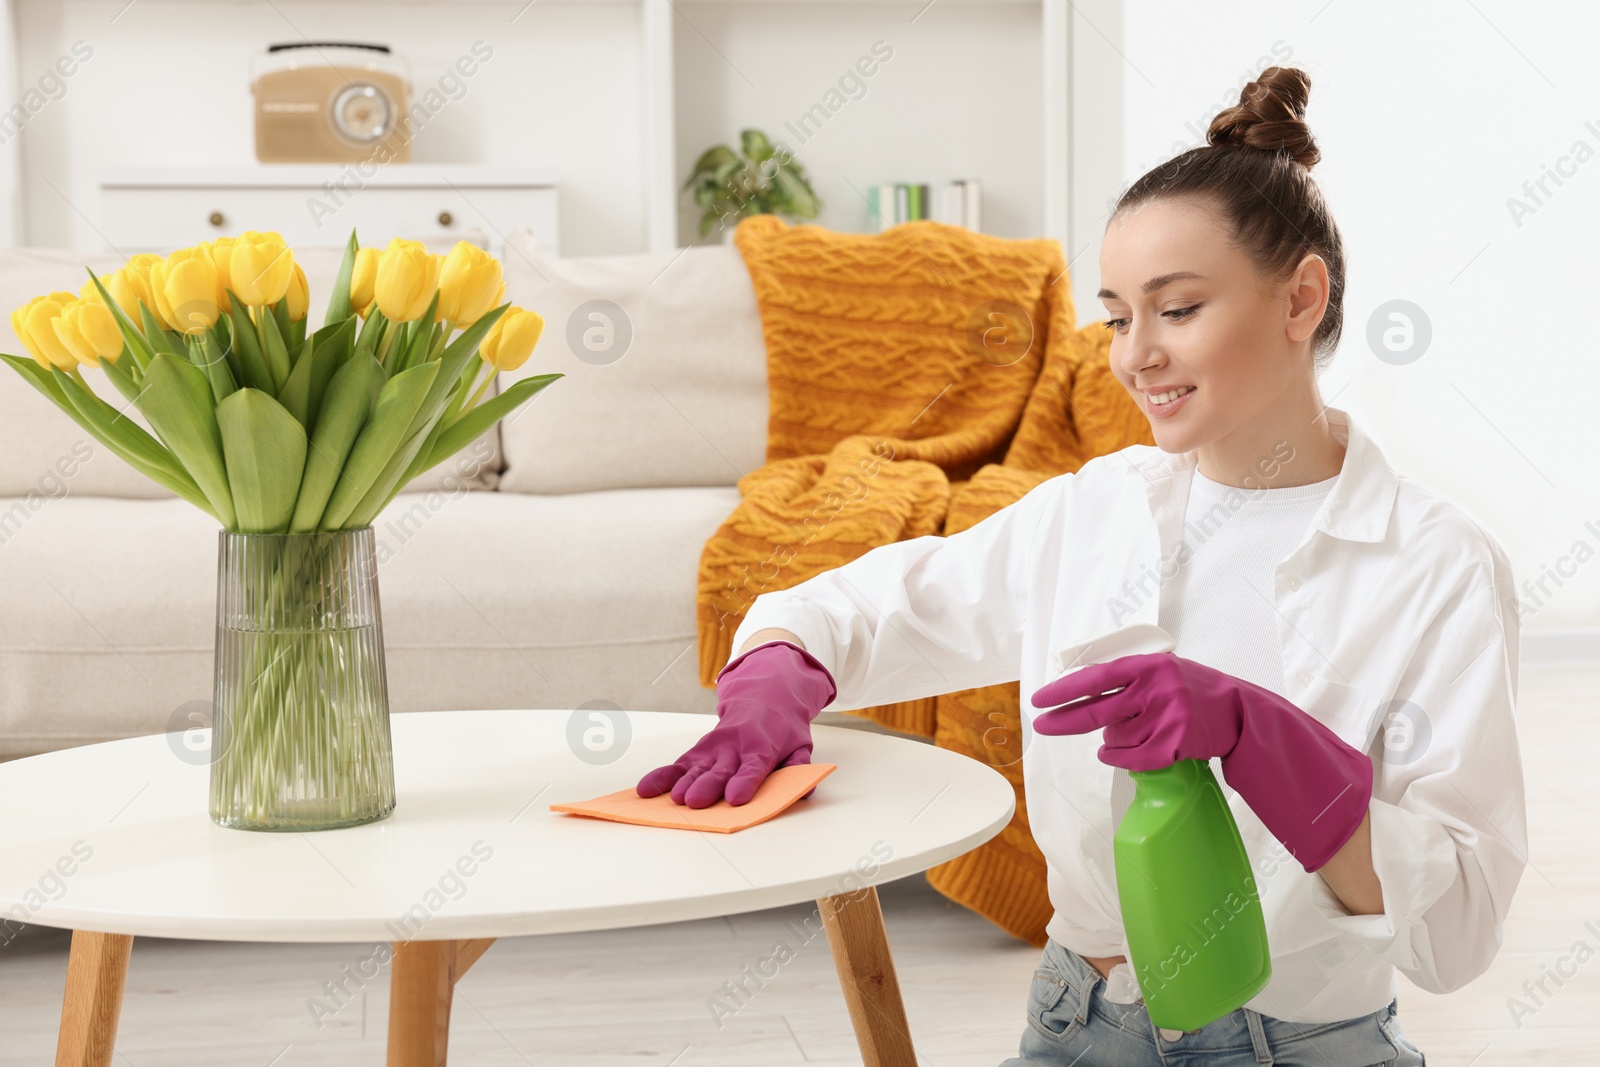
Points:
(339, 300)
(466, 428)
(119, 377)
(296, 393)
(276, 349)
(351, 395)
(177, 404)
(222, 334)
(329, 350)
(206, 352)
(280, 315)
(393, 480)
(160, 340)
(265, 450)
(418, 337)
(451, 363)
(375, 448)
(252, 364)
(122, 436)
(91, 410)
(42, 380)
(371, 332)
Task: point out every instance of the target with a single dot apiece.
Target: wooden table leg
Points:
(422, 979)
(97, 969)
(854, 922)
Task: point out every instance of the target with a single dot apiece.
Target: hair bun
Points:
(1270, 116)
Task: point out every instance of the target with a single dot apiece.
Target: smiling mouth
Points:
(1161, 400)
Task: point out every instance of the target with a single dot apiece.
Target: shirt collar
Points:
(1358, 506)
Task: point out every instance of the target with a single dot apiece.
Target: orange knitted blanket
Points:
(920, 379)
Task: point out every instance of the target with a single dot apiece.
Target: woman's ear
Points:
(1308, 297)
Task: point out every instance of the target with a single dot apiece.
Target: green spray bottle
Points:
(1197, 940)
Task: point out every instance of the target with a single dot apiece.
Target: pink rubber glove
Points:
(766, 699)
(1308, 787)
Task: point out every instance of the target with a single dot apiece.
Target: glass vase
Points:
(300, 738)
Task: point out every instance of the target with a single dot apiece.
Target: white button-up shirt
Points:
(1397, 630)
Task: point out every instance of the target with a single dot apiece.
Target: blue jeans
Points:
(1071, 1023)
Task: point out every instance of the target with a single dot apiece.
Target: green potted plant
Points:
(761, 179)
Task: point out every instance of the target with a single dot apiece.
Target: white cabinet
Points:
(158, 209)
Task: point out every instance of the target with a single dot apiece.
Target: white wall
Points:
(959, 97)
(168, 82)
(1430, 116)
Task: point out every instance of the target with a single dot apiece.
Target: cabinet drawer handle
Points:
(445, 218)
(216, 218)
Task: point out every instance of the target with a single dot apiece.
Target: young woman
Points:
(1344, 644)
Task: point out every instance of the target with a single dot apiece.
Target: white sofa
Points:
(552, 564)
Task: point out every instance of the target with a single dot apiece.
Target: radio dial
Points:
(361, 113)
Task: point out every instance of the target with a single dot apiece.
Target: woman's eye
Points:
(1178, 315)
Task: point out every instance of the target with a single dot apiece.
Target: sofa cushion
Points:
(490, 600)
(665, 371)
(44, 451)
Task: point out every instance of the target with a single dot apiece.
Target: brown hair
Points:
(1255, 170)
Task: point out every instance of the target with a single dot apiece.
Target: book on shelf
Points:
(958, 203)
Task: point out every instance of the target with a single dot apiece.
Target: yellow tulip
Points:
(88, 330)
(299, 295)
(511, 339)
(18, 319)
(407, 277)
(221, 250)
(362, 274)
(184, 286)
(129, 287)
(470, 283)
(260, 267)
(87, 291)
(34, 325)
(137, 287)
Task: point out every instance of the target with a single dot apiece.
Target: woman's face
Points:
(1208, 321)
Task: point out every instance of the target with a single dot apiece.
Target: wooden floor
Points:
(644, 997)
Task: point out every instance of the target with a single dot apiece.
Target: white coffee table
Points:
(471, 853)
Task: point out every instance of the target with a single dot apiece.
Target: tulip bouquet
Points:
(294, 443)
(266, 428)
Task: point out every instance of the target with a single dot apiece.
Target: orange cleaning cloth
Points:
(780, 789)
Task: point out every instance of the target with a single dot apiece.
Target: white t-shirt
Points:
(1219, 607)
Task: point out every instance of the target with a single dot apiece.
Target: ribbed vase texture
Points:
(300, 739)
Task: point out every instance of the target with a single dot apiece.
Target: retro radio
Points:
(331, 102)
